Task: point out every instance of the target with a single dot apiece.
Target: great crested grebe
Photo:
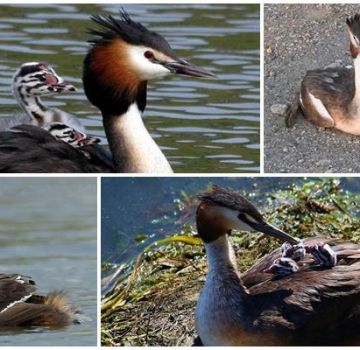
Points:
(19, 306)
(330, 97)
(68, 135)
(314, 305)
(123, 57)
(30, 82)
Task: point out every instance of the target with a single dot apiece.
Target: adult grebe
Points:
(330, 97)
(19, 306)
(315, 305)
(123, 57)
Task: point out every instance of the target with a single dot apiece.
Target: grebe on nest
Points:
(316, 304)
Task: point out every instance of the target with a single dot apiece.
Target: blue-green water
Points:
(48, 232)
(209, 126)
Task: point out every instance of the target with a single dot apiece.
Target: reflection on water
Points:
(134, 207)
(48, 231)
(202, 125)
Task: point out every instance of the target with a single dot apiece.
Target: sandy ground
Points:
(299, 38)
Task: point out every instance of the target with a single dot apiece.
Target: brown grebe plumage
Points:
(20, 306)
(330, 98)
(314, 305)
(124, 56)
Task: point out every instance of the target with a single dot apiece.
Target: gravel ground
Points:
(299, 38)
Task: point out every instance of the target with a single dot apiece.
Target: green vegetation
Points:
(153, 302)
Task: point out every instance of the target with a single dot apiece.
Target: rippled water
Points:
(48, 232)
(202, 125)
(143, 207)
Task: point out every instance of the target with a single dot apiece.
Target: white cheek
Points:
(145, 69)
(232, 215)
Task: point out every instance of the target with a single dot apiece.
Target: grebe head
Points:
(38, 79)
(69, 135)
(221, 210)
(123, 57)
(353, 24)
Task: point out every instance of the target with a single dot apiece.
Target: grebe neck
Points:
(133, 148)
(33, 107)
(356, 63)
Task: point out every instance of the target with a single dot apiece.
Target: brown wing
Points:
(13, 288)
(311, 300)
(25, 313)
(333, 86)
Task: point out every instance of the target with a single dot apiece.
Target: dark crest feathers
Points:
(128, 30)
(354, 24)
(229, 199)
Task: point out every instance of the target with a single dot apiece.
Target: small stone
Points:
(324, 163)
(285, 150)
(278, 109)
(336, 64)
(300, 161)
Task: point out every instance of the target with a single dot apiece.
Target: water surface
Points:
(48, 232)
(201, 125)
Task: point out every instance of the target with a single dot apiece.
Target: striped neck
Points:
(33, 107)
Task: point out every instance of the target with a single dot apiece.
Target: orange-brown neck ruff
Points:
(355, 51)
(109, 81)
(110, 64)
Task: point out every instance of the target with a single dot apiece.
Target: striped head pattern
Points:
(69, 135)
(38, 79)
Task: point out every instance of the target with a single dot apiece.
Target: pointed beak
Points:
(185, 68)
(273, 231)
(89, 140)
(57, 83)
(65, 87)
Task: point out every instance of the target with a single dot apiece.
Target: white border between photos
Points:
(239, 175)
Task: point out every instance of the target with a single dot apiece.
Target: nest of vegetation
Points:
(154, 299)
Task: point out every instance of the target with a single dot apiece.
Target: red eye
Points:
(149, 55)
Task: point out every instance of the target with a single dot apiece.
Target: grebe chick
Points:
(313, 306)
(330, 98)
(69, 135)
(323, 255)
(124, 56)
(20, 307)
(283, 267)
(30, 82)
